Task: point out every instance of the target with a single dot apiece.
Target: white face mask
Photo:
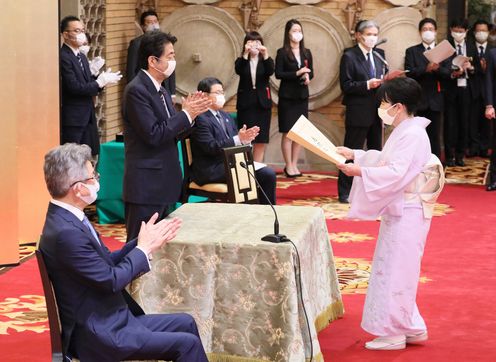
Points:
(170, 68)
(481, 36)
(93, 189)
(297, 36)
(370, 41)
(428, 36)
(152, 27)
(84, 49)
(384, 115)
(220, 100)
(459, 37)
(81, 39)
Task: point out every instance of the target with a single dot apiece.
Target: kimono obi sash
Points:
(427, 186)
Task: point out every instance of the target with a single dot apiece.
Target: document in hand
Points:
(394, 74)
(459, 60)
(440, 52)
(307, 135)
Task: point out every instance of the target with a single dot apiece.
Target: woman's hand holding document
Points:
(307, 135)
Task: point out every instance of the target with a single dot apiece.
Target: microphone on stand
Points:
(380, 42)
(276, 237)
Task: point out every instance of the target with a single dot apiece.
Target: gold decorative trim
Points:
(332, 312)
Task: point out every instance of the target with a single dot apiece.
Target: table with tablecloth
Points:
(243, 292)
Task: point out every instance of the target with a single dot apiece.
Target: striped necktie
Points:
(370, 60)
(88, 225)
(80, 60)
(163, 92)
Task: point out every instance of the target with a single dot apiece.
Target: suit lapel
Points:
(362, 60)
(229, 124)
(158, 105)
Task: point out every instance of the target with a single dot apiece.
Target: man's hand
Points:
(432, 67)
(196, 104)
(346, 152)
(350, 169)
(153, 235)
(374, 83)
(483, 65)
(490, 113)
(247, 135)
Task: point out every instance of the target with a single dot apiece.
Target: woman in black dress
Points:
(295, 70)
(254, 102)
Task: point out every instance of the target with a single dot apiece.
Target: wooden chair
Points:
(239, 186)
(52, 311)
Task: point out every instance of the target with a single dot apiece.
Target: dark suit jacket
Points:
(89, 284)
(286, 67)
(246, 98)
(152, 174)
(207, 141)
(361, 104)
(451, 83)
(490, 78)
(431, 82)
(78, 90)
(132, 67)
(477, 85)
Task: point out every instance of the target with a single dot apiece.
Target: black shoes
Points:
(450, 162)
(290, 175)
(343, 200)
(459, 162)
(491, 186)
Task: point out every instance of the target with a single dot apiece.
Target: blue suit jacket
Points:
(89, 284)
(152, 174)
(207, 141)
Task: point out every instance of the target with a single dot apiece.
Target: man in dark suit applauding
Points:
(148, 23)
(152, 174)
(100, 321)
(78, 120)
(215, 130)
(490, 81)
(360, 74)
(430, 77)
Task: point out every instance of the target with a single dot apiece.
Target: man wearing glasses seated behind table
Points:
(215, 130)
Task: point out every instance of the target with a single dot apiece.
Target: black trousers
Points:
(355, 138)
(433, 129)
(479, 127)
(457, 114)
(136, 213)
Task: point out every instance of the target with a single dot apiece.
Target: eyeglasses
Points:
(219, 92)
(77, 31)
(96, 177)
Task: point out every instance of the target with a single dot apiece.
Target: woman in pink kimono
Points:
(400, 184)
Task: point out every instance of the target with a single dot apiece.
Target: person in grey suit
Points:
(152, 173)
(360, 74)
(100, 320)
(148, 22)
(78, 87)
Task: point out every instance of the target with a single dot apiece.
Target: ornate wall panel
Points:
(325, 36)
(209, 41)
(403, 2)
(303, 2)
(200, 2)
(400, 27)
(92, 14)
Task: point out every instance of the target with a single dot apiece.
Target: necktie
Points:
(370, 60)
(481, 53)
(80, 60)
(222, 123)
(428, 48)
(459, 50)
(87, 223)
(163, 92)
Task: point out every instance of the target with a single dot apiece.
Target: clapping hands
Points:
(246, 135)
(196, 103)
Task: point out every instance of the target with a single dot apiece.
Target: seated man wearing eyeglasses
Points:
(100, 321)
(215, 130)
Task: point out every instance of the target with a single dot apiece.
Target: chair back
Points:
(52, 310)
(242, 188)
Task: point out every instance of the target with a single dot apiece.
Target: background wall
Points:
(30, 118)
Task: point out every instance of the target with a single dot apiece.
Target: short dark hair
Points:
(153, 44)
(481, 22)
(65, 22)
(205, 85)
(251, 35)
(427, 21)
(459, 23)
(146, 14)
(402, 90)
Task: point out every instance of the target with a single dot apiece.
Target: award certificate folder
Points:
(440, 52)
(306, 134)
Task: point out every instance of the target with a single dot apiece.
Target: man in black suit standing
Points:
(148, 22)
(490, 83)
(430, 77)
(457, 96)
(152, 174)
(479, 130)
(360, 74)
(78, 120)
(215, 130)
